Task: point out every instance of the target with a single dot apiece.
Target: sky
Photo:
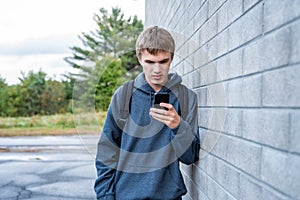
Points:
(37, 34)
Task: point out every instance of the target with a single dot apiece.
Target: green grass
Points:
(62, 124)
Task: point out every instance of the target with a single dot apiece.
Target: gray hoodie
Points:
(142, 161)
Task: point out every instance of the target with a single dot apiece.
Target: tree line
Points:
(104, 61)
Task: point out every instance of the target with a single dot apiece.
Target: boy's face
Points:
(156, 68)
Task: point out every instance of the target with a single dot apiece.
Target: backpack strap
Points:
(183, 100)
(125, 103)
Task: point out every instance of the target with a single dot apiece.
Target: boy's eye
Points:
(164, 61)
(149, 62)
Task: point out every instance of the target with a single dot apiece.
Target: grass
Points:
(63, 124)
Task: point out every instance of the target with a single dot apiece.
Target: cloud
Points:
(52, 64)
(56, 44)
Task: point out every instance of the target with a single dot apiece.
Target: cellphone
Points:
(159, 98)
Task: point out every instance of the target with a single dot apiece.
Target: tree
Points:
(31, 89)
(53, 98)
(108, 50)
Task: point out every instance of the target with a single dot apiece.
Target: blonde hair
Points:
(155, 39)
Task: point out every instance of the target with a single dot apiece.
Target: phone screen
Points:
(159, 98)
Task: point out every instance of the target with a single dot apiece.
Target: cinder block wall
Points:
(242, 58)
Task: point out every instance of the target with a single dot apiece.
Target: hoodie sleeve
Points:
(107, 157)
(185, 138)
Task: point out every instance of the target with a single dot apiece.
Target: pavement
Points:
(47, 167)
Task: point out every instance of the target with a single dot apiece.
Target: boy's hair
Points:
(155, 39)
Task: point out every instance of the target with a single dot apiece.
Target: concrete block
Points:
(201, 16)
(251, 91)
(223, 67)
(281, 87)
(295, 131)
(249, 190)
(267, 127)
(252, 57)
(216, 192)
(277, 46)
(252, 23)
(295, 50)
(235, 63)
(205, 117)
(227, 177)
(279, 12)
(234, 93)
(208, 73)
(213, 6)
(235, 10)
(281, 170)
(193, 9)
(217, 95)
(196, 78)
(233, 122)
(268, 193)
(249, 3)
(235, 34)
(208, 30)
(212, 49)
(244, 155)
(201, 57)
(222, 42)
(230, 66)
(222, 16)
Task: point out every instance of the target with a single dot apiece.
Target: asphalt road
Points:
(50, 167)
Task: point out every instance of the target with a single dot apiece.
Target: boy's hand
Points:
(169, 117)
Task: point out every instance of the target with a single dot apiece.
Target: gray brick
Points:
(212, 49)
(235, 35)
(201, 57)
(252, 57)
(208, 73)
(233, 122)
(216, 96)
(208, 30)
(205, 117)
(193, 8)
(239, 153)
(251, 91)
(235, 64)
(222, 42)
(222, 16)
(202, 96)
(188, 67)
(249, 3)
(281, 87)
(230, 66)
(227, 177)
(223, 67)
(280, 170)
(249, 189)
(252, 23)
(267, 127)
(295, 132)
(233, 93)
(213, 6)
(244, 155)
(268, 193)
(201, 16)
(295, 50)
(278, 12)
(213, 143)
(196, 78)
(235, 10)
(276, 49)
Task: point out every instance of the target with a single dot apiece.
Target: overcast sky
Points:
(37, 34)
